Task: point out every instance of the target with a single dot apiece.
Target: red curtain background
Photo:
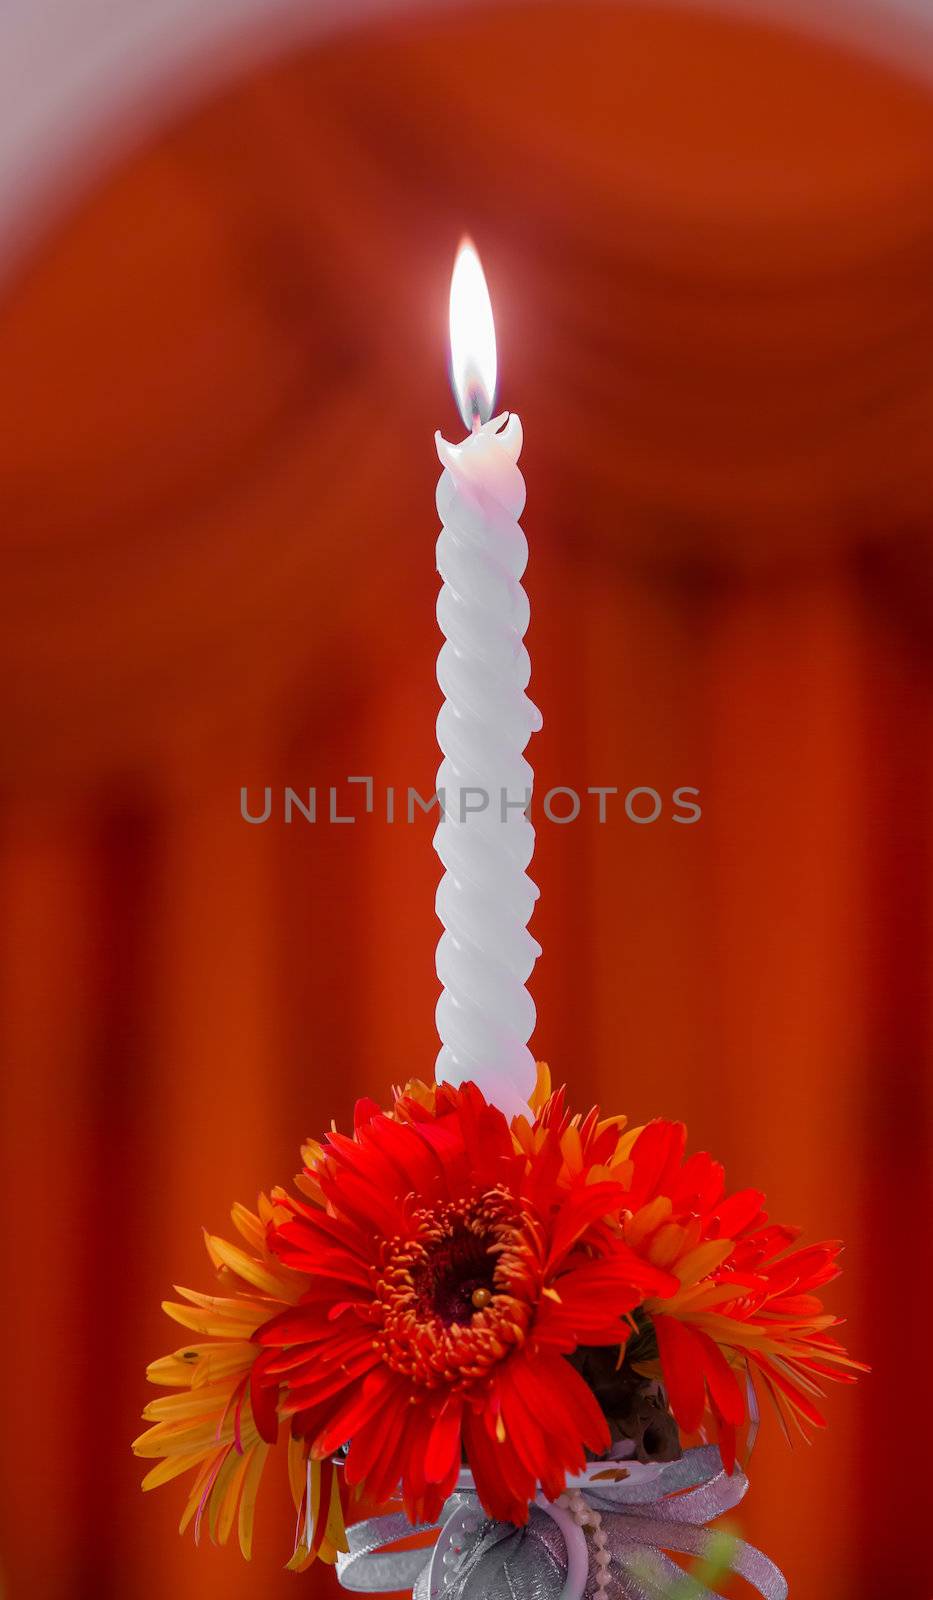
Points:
(711, 253)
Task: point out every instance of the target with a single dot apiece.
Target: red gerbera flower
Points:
(451, 1271)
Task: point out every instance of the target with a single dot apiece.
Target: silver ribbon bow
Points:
(652, 1510)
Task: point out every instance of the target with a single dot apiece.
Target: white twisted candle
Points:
(485, 1014)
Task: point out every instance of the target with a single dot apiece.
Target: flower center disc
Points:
(457, 1295)
(451, 1280)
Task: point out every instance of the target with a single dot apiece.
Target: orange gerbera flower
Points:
(450, 1272)
(222, 1425)
(744, 1308)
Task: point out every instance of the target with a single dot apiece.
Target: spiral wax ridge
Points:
(485, 1015)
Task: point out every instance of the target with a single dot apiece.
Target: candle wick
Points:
(475, 404)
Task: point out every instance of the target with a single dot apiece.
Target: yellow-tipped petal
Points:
(218, 1319)
(262, 1277)
(699, 1263)
(225, 1495)
(571, 1148)
(335, 1534)
(638, 1227)
(248, 1493)
(666, 1245)
(171, 1467)
(541, 1092)
(198, 1487)
(300, 1560)
(297, 1468)
(206, 1400)
(195, 1365)
(250, 1227)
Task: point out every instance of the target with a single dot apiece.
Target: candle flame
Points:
(472, 338)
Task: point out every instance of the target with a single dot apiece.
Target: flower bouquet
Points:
(510, 1357)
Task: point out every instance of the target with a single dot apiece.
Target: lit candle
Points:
(485, 1015)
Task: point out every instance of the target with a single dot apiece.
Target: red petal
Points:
(493, 1468)
(726, 1392)
(565, 1404)
(802, 1403)
(443, 1449)
(588, 1204)
(263, 1399)
(727, 1445)
(737, 1213)
(699, 1184)
(364, 1111)
(375, 1458)
(360, 1405)
(656, 1157)
(682, 1361)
